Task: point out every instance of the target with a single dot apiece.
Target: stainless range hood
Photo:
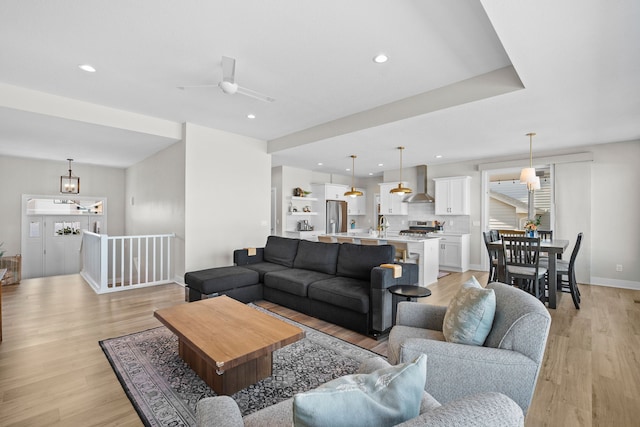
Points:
(420, 196)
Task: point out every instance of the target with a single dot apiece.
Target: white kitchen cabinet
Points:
(454, 252)
(392, 204)
(357, 205)
(453, 195)
(335, 192)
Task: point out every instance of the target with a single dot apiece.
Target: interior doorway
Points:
(52, 232)
(505, 201)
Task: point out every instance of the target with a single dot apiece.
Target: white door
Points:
(62, 241)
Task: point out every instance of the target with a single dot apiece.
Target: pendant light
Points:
(400, 190)
(528, 175)
(353, 192)
(69, 184)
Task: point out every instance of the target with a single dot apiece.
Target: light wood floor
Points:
(53, 372)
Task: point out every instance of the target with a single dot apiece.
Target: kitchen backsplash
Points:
(426, 212)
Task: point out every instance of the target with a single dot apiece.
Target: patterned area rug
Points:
(164, 390)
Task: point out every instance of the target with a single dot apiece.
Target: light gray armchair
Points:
(481, 410)
(508, 362)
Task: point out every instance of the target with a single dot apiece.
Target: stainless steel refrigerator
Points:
(336, 216)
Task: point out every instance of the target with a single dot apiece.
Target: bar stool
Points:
(370, 242)
(345, 239)
(403, 254)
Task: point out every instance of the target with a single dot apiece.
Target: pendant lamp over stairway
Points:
(400, 190)
(69, 184)
(353, 192)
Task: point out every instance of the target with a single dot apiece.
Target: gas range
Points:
(419, 229)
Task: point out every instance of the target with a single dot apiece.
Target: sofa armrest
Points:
(457, 370)
(241, 256)
(219, 411)
(381, 301)
(482, 410)
(419, 315)
(382, 277)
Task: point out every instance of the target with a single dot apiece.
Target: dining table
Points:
(555, 248)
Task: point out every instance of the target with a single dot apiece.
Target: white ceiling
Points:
(578, 63)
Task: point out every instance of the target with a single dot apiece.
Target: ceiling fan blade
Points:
(254, 94)
(194, 86)
(228, 69)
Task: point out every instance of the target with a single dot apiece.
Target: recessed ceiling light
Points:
(348, 169)
(380, 58)
(370, 173)
(88, 68)
(319, 163)
(438, 156)
(380, 164)
(251, 116)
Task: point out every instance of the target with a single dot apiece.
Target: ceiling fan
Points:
(229, 85)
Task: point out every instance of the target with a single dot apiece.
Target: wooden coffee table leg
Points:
(231, 380)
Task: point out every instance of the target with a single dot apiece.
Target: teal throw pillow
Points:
(385, 397)
(470, 314)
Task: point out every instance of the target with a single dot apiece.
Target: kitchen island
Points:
(427, 248)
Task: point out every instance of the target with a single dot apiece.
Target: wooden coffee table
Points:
(228, 344)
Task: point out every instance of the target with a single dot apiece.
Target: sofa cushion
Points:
(343, 292)
(385, 397)
(293, 280)
(317, 256)
(263, 268)
(470, 314)
(281, 250)
(357, 261)
(219, 279)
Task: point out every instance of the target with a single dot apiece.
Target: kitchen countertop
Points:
(389, 236)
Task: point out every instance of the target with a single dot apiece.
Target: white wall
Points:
(42, 177)
(615, 204)
(227, 195)
(155, 202)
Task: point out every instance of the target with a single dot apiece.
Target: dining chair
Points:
(568, 269)
(345, 239)
(545, 234)
(493, 255)
(326, 239)
(370, 242)
(521, 259)
(511, 233)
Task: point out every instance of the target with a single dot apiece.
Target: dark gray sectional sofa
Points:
(340, 283)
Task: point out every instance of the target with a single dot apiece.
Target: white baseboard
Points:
(179, 280)
(614, 283)
(477, 267)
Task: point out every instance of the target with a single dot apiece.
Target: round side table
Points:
(410, 292)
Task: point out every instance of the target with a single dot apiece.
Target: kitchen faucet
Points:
(382, 227)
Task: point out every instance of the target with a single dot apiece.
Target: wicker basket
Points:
(13, 264)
